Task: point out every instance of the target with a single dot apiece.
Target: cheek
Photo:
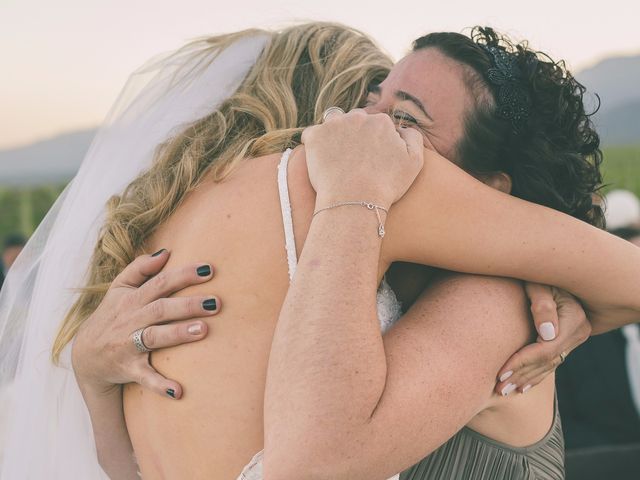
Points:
(442, 147)
(448, 139)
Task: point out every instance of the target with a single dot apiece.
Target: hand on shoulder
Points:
(361, 157)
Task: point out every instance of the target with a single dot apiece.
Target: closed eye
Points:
(403, 117)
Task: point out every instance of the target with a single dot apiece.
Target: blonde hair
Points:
(302, 71)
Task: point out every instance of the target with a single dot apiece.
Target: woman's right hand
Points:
(567, 327)
(103, 353)
(362, 157)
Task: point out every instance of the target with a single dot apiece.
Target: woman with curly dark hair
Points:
(339, 399)
(529, 122)
(514, 119)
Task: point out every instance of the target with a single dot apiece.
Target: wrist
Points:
(333, 200)
(343, 217)
(96, 387)
(354, 193)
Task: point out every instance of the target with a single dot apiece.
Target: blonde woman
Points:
(210, 105)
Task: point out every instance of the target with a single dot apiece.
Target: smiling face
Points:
(428, 91)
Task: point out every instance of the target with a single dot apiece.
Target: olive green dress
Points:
(470, 455)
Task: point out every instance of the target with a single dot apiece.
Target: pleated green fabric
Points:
(470, 455)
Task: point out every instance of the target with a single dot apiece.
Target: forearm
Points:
(327, 365)
(113, 444)
(450, 220)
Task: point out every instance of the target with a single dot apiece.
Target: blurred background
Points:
(64, 62)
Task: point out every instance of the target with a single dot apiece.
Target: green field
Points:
(21, 210)
(621, 168)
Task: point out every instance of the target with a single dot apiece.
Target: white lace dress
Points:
(389, 308)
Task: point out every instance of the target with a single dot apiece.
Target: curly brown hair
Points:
(554, 157)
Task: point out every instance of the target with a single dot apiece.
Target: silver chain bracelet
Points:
(367, 205)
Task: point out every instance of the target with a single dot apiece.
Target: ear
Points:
(499, 180)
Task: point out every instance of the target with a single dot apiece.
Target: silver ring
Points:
(329, 111)
(138, 343)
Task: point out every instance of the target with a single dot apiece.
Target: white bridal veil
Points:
(45, 431)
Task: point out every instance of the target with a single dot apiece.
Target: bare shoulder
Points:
(495, 304)
(485, 287)
(444, 354)
(485, 315)
(481, 295)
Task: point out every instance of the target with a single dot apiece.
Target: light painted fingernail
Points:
(508, 388)
(506, 375)
(195, 329)
(526, 388)
(547, 331)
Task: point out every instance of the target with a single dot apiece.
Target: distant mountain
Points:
(53, 160)
(617, 81)
(619, 125)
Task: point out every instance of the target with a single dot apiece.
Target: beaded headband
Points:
(505, 78)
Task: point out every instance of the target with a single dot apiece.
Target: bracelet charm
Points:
(367, 205)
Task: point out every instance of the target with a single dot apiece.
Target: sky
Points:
(63, 62)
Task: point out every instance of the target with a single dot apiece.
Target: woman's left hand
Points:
(104, 355)
(562, 325)
(360, 156)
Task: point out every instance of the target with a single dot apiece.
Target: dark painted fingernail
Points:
(210, 304)
(159, 252)
(171, 392)
(204, 270)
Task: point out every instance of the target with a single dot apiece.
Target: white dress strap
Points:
(253, 471)
(287, 219)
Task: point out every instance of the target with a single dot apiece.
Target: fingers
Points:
(171, 335)
(163, 336)
(533, 363)
(167, 282)
(139, 271)
(175, 308)
(544, 310)
(152, 380)
(526, 368)
(332, 112)
(415, 144)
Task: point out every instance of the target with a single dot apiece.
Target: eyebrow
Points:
(407, 96)
(404, 96)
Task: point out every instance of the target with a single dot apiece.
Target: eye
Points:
(403, 117)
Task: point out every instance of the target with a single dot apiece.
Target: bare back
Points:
(237, 227)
